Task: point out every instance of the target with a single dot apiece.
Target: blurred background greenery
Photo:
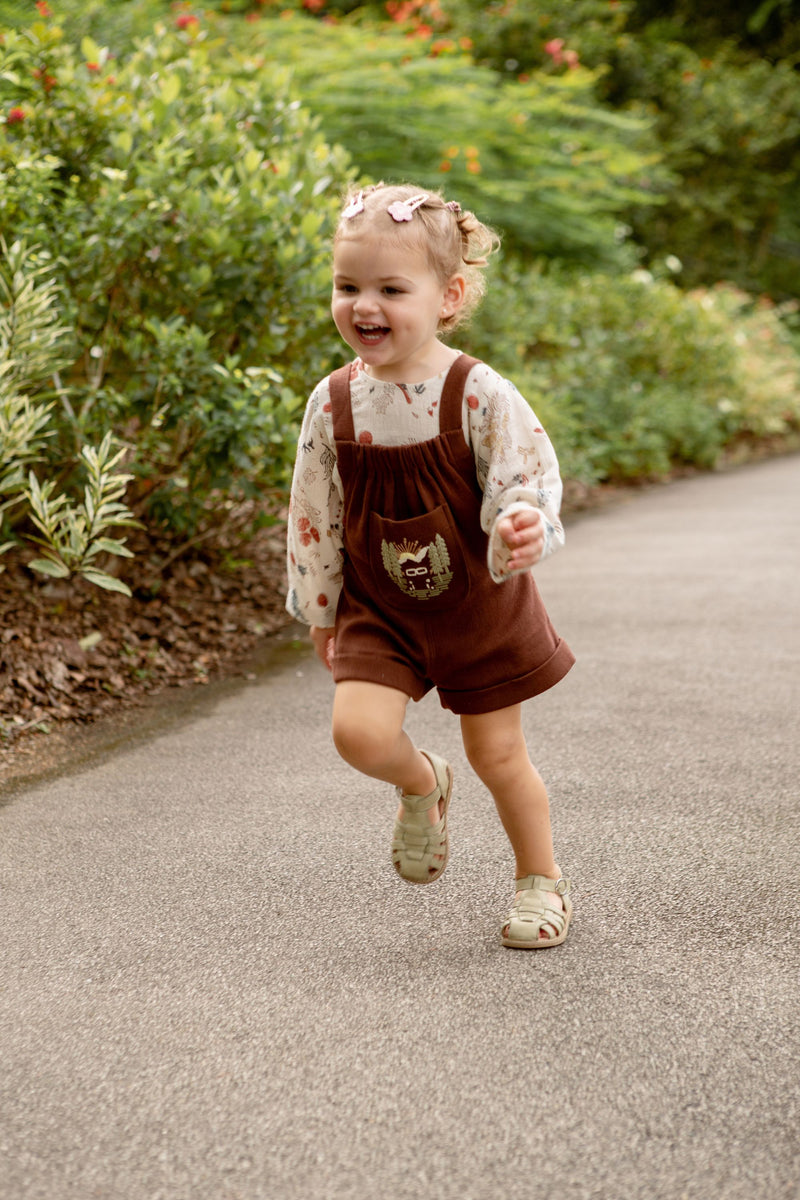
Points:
(170, 173)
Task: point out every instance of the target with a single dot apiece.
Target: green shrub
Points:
(539, 159)
(73, 534)
(631, 376)
(186, 199)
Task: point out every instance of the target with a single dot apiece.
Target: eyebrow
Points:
(344, 277)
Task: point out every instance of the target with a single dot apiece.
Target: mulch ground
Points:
(72, 654)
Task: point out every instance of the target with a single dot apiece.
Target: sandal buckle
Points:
(562, 886)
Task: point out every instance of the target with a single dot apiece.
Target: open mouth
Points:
(370, 334)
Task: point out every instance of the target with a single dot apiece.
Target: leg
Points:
(495, 746)
(368, 733)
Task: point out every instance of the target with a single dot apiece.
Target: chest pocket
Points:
(417, 563)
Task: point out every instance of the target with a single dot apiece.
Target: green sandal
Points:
(532, 912)
(417, 843)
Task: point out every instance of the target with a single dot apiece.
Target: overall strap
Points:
(452, 402)
(339, 387)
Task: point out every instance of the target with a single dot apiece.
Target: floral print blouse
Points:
(515, 465)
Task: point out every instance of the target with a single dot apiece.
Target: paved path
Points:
(214, 987)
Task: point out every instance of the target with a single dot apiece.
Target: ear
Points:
(453, 296)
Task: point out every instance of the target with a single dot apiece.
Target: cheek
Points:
(338, 309)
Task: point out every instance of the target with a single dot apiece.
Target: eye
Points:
(348, 288)
(393, 291)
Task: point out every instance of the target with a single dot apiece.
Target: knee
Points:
(359, 742)
(493, 758)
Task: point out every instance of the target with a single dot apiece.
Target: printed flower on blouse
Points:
(497, 437)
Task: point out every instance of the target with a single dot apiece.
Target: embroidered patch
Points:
(419, 571)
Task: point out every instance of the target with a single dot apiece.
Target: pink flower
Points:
(15, 116)
(555, 48)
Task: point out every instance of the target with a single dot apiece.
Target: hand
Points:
(323, 644)
(523, 533)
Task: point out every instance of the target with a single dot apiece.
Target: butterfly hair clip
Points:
(403, 210)
(454, 206)
(355, 207)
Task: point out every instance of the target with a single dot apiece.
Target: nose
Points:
(366, 302)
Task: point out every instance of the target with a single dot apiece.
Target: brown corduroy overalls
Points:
(418, 608)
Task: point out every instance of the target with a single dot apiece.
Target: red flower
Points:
(15, 116)
(93, 66)
(186, 20)
(43, 9)
(322, 600)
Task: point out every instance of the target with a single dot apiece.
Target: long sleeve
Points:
(314, 534)
(515, 463)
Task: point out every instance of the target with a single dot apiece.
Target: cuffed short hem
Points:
(473, 701)
(374, 669)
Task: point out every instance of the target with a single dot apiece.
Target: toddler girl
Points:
(424, 491)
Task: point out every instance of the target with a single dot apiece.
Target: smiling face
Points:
(387, 304)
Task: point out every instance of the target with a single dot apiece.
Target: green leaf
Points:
(108, 582)
(90, 640)
(170, 88)
(90, 50)
(48, 566)
(123, 141)
(110, 546)
(252, 161)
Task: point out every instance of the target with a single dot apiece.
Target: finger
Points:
(526, 519)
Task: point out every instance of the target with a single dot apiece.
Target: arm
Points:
(314, 528)
(518, 471)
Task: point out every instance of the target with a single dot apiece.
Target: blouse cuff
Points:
(497, 552)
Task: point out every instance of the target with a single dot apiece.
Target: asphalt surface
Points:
(215, 988)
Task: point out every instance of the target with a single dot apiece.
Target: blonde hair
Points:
(455, 242)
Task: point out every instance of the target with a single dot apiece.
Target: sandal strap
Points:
(541, 883)
(421, 804)
(414, 805)
(531, 908)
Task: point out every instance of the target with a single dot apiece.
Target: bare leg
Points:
(495, 746)
(368, 733)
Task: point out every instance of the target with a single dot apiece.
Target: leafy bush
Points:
(32, 343)
(186, 200)
(539, 158)
(729, 133)
(631, 376)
